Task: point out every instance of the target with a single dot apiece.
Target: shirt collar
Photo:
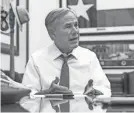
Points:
(55, 52)
(75, 52)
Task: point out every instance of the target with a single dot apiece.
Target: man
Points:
(44, 70)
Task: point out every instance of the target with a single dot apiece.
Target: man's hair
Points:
(56, 13)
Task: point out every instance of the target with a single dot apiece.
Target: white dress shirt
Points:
(45, 64)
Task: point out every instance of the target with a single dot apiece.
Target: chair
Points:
(129, 83)
(10, 94)
(117, 84)
(18, 76)
(122, 84)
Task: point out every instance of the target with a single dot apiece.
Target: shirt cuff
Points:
(33, 91)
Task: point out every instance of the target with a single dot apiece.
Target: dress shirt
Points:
(45, 64)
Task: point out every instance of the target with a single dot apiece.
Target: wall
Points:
(20, 61)
(38, 34)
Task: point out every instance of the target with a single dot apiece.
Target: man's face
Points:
(67, 32)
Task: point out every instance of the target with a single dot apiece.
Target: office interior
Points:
(115, 49)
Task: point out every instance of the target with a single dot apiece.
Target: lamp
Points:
(21, 16)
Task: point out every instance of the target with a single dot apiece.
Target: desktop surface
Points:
(104, 105)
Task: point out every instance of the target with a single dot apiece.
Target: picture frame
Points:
(103, 17)
(112, 54)
(27, 34)
(5, 29)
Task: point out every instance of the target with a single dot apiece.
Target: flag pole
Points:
(11, 23)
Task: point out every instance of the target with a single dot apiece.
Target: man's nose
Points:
(75, 30)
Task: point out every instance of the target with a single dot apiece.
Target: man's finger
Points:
(56, 81)
(89, 87)
(56, 108)
(57, 102)
(89, 99)
(89, 102)
(89, 90)
(97, 92)
(90, 106)
(57, 87)
(60, 89)
(90, 83)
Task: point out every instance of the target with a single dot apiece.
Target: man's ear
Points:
(52, 33)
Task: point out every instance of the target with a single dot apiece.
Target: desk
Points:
(12, 108)
(114, 104)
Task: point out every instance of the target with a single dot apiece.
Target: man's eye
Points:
(76, 25)
(68, 26)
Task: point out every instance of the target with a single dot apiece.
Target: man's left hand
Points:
(91, 94)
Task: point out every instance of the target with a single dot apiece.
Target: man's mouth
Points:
(73, 39)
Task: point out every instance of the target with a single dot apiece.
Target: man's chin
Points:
(74, 46)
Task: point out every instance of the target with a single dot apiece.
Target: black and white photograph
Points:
(67, 56)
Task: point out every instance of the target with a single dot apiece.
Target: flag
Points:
(103, 13)
(90, 10)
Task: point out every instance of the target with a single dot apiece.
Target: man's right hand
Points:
(56, 89)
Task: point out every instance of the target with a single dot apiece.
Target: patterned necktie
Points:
(64, 81)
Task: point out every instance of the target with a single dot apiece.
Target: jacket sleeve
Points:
(31, 77)
(100, 81)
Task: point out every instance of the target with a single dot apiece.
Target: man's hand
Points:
(57, 89)
(55, 103)
(91, 94)
(90, 91)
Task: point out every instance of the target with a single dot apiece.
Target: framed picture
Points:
(113, 54)
(5, 29)
(98, 17)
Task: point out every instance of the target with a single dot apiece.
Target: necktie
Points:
(64, 81)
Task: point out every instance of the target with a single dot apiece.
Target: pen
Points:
(59, 96)
(55, 96)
